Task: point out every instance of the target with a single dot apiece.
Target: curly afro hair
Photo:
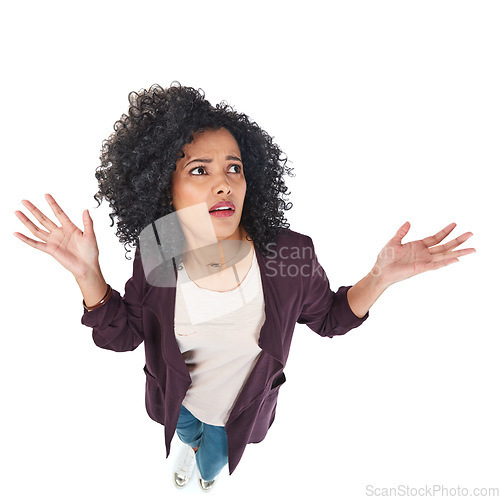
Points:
(139, 158)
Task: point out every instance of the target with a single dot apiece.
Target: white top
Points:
(217, 333)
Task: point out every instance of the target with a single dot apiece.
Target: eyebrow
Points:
(203, 160)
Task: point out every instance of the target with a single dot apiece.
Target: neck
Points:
(203, 253)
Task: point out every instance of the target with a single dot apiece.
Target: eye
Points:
(196, 168)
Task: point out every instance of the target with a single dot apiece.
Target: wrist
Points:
(92, 273)
(365, 293)
(107, 296)
(376, 279)
(94, 289)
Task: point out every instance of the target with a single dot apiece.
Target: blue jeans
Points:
(211, 456)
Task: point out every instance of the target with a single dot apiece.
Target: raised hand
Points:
(398, 261)
(75, 250)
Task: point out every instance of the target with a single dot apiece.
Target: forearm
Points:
(93, 286)
(364, 294)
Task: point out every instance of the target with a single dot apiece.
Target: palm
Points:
(69, 247)
(75, 250)
(398, 261)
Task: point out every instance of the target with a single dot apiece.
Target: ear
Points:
(164, 200)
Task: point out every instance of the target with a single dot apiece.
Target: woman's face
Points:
(211, 171)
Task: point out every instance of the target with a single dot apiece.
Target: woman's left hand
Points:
(398, 261)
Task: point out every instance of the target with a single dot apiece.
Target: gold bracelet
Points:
(101, 302)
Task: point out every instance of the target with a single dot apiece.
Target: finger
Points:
(40, 216)
(440, 236)
(451, 255)
(441, 263)
(35, 230)
(32, 243)
(88, 223)
(451, 245)
(58, 211)
(402, 232)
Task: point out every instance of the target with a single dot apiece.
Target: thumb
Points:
(88, 224)
(402, 232)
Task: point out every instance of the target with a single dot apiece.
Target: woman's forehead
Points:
(208, 140)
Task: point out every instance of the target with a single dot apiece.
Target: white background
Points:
(388, 111)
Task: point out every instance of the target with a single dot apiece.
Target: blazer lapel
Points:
(160, 300)
(270, 335)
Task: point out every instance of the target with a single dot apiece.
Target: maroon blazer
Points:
(296, 290)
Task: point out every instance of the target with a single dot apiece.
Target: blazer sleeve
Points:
(326, 312)
(117, 324)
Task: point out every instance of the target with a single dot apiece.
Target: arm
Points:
(93, 286)
(364, 294)
(116, 324)
(326, 312)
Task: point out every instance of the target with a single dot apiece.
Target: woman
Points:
(219, 280)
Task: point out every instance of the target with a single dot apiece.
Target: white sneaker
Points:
(184, 466)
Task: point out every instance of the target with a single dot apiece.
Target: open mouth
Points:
(222, 212)
(223, 208)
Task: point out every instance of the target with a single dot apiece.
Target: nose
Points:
(221, 184)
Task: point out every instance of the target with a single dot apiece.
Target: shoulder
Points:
(289, 237)
(291, 245)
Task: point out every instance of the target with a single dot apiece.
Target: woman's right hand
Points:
(75, 250)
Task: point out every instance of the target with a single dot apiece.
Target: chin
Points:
(223, 235)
